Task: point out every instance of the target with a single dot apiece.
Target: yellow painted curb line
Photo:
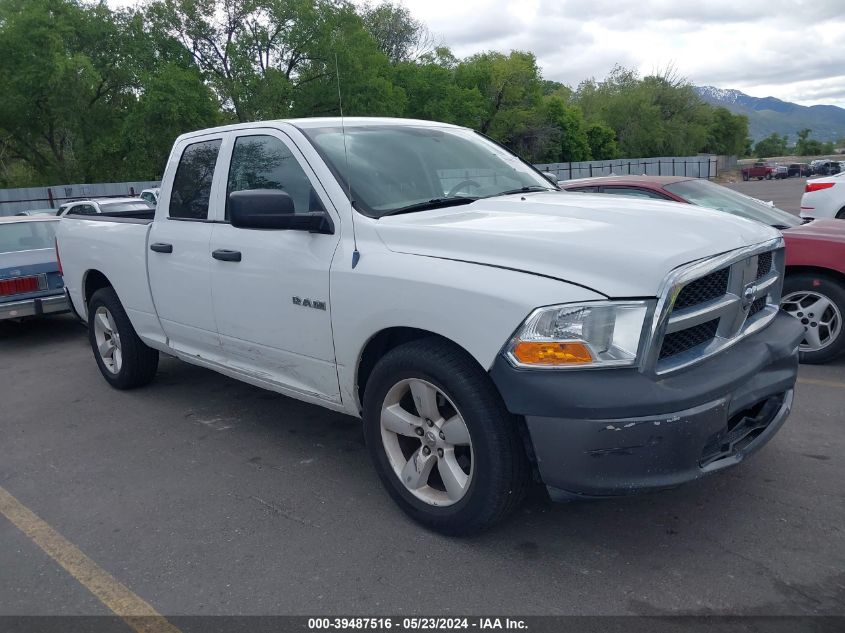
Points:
(136, 612)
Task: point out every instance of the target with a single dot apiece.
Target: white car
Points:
(824, 197)
(486, 326)
(98, 206)
(151, 195)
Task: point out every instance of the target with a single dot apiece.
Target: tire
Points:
(125, 362)
(494, 461)
(759, 178)
(800, 295)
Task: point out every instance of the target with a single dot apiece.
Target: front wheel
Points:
(819, 303)
(441, 439)
(123, 358)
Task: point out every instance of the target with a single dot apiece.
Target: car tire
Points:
(433, 378)
(801, 292)
(123, 358)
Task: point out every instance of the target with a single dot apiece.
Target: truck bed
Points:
(130, 217)
(114, 246)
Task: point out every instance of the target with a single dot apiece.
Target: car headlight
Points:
(598, 334)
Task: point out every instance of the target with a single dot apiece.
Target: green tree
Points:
(727, 133)
(655, 115)
(432, 92)
(569, 141)
(602, 141)
(397, 33)
(65, 87)
(772, 145)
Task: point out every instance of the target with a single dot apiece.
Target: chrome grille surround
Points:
(733, 309)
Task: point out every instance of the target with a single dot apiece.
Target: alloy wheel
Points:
(108, 340)
(427, 442)
(821, 318)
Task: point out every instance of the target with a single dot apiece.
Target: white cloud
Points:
(788, 50)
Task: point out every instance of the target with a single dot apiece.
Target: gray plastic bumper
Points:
(612, 432)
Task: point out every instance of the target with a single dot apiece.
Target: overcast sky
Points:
(790, 49)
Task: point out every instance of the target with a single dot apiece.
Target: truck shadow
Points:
(275, 431)
(43, 331)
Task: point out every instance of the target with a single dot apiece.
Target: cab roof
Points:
(315, 122)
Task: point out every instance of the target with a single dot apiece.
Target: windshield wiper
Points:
(434, 203)
(520, 190)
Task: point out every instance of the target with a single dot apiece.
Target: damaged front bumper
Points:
(619, 431)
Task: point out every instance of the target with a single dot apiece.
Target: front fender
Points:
(476, 306)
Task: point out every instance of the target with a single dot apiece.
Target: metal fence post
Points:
(50, 197)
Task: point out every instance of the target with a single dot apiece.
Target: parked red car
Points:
(814, 288)
(759, 171)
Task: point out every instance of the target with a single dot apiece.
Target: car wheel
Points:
(440, 437)
(123, 358)
(819, 303)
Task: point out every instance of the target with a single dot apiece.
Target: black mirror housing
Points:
(273, 209)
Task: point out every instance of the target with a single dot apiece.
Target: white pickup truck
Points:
(487, 327)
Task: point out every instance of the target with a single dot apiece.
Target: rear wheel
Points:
(441, 439)
(123, 358)
(819, 303)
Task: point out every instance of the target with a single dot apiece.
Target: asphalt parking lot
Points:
(202, 495)
(785, 193)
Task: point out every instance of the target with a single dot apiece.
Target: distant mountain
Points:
(768, 114)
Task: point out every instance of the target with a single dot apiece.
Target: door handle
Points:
(225, 255)
(160, 247)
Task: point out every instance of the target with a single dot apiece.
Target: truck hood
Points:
(619, 247)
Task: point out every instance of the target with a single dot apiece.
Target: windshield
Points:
(707, 194)
(394, 167)
(26, 236)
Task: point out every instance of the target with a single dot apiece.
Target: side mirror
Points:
(273, 209)
(552, 178)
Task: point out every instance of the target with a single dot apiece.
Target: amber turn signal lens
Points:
(546, 353)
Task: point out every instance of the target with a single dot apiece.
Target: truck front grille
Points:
(701, 290)
(716, 304)
(764, 264)
(684, 340)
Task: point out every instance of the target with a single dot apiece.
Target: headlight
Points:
(599, 334)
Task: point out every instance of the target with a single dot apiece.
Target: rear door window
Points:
(192, 183)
